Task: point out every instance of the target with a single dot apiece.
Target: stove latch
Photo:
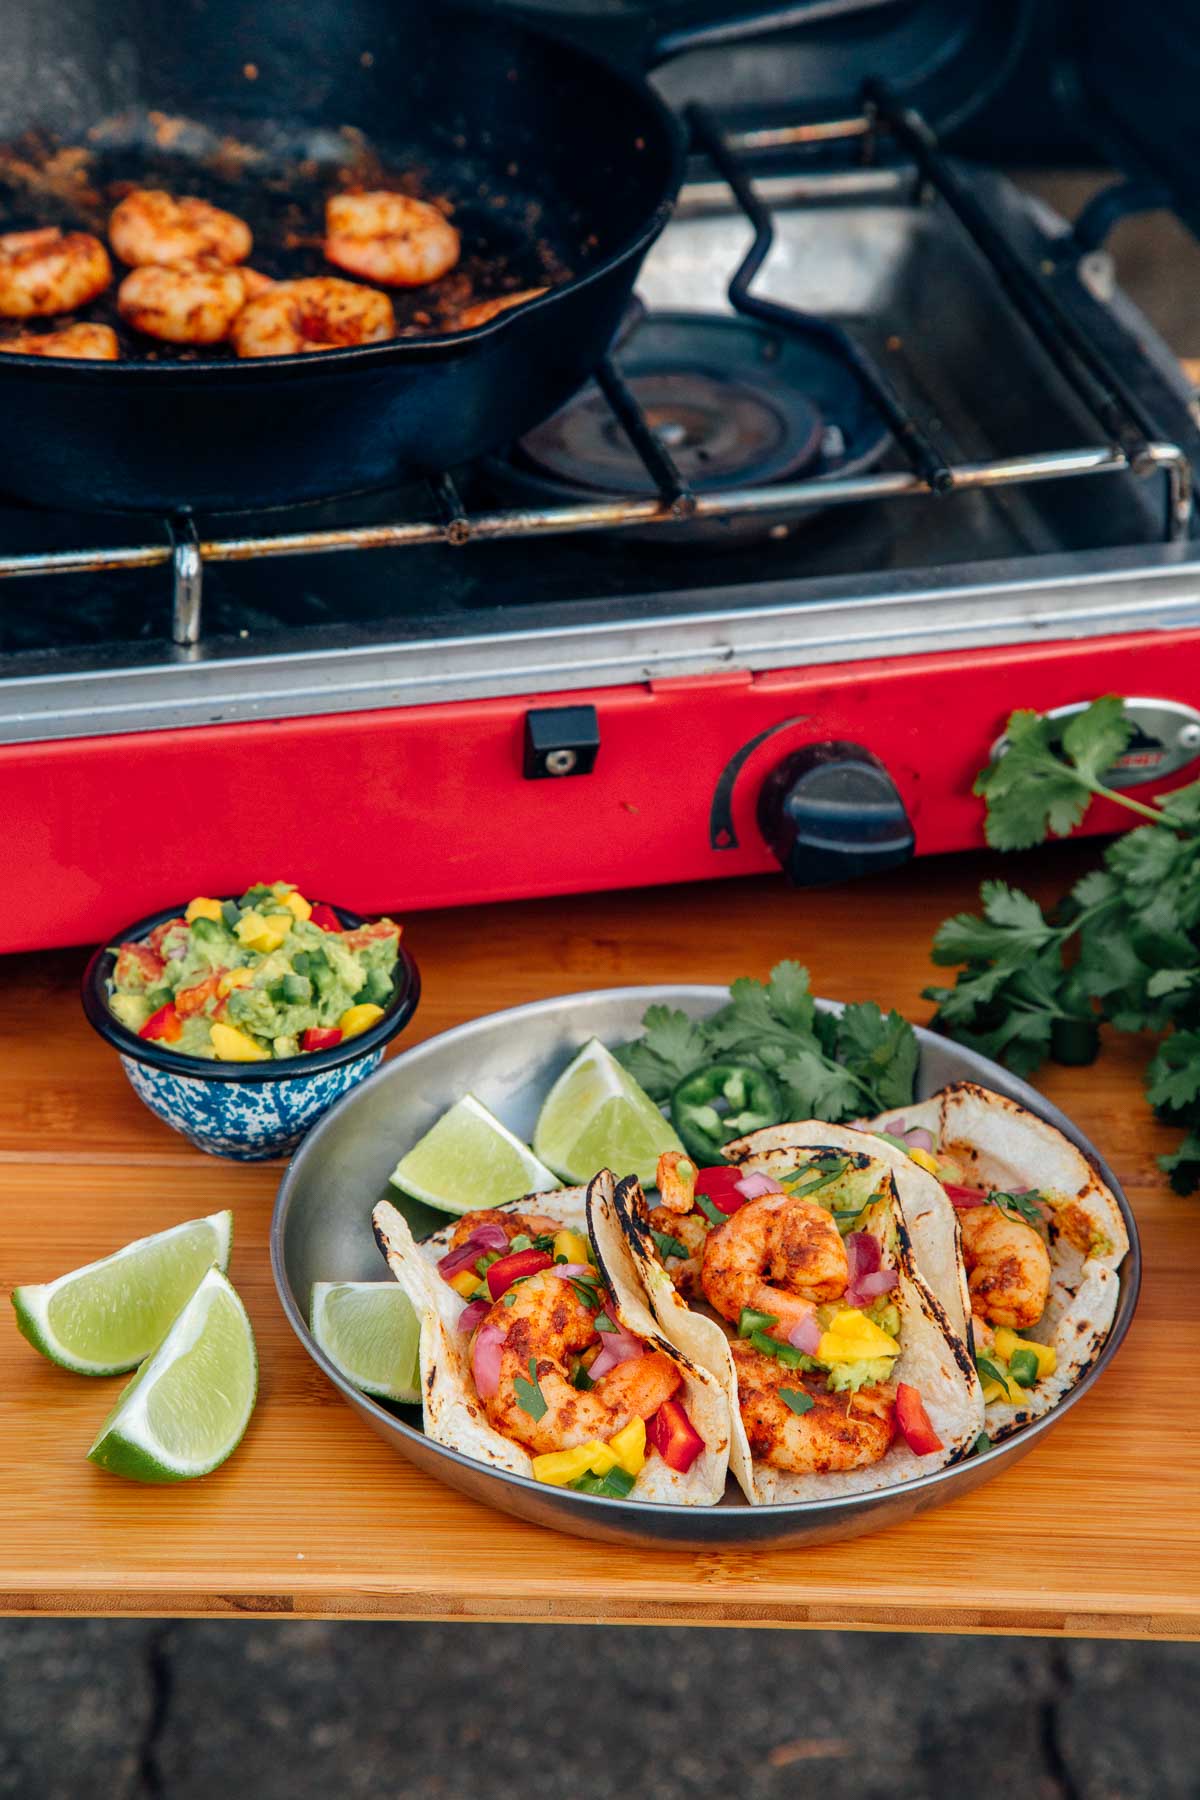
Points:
(831, 812)
(560, 740)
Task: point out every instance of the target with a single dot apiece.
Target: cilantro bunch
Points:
(828, 1066)
(1122, 947)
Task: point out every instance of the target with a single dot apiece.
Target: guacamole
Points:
(266, 976)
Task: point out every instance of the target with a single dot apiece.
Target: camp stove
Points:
(883, 453)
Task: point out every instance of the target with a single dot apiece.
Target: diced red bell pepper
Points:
(964, 1196)
(160, 931)
(137, 962)
(674, 1436)
(502, 1274)
(913, 1421)
(321, 1037)
(362, 935)
(165, 1024)
(325, 917)
(719, 1186)
(194, 999)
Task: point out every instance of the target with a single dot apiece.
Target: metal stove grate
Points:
(1131, 442)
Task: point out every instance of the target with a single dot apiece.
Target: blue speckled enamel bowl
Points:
(248, 1111)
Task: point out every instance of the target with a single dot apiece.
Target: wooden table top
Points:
(1096, 1532)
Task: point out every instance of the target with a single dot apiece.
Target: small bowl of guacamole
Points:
(239, 1020)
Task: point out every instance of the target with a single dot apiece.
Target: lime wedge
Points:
(468, 1160)
(107, 1317)
(186, 1408)
(597, 1117)
(369, 1332)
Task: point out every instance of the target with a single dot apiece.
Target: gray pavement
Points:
(204, 1711)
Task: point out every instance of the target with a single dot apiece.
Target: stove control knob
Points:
(830, 812)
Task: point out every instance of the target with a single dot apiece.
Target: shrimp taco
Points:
(540, 1355)
(1042, 1240)
(797, 1286)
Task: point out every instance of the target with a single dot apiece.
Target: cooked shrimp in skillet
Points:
(778, 1254)
(93, 343)
(183, 304)
(549, 1324)
(389, 238)
(484, 310)
(320, 313)
(512, 1224)
(836, 1432)
(50, 271)
(150, 226)
(1008, 1267)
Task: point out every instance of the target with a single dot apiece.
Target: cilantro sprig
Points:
(1123, 947)
(530, 1397)
(828, 1066)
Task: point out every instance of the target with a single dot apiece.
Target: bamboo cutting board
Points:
(1096, 1532)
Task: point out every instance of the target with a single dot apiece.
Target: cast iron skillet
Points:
(562, 170)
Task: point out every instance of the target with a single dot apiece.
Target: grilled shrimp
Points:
(94, 343)
(837, 1432)
(546, 1324)
(320, 313)
(389, 238)
(778, 1254)
(150, 226)
(483, 310)
(512, 1224)
(1008, 1267)
(186, 303)
(50, 271)
(691, 1231)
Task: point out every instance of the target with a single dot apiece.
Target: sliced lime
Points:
(597, 1117)
(468, 1160)
(186, 1408)
(370, 1333)
(107, 1317)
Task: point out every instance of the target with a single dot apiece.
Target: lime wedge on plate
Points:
(369, 1332)
(597, 1117)
(186, 1408)
(468, 1160)
(107, 1317)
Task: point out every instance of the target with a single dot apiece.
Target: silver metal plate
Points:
(321, 1231)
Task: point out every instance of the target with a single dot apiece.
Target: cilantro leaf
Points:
(712, 1213)
(1012, 925)
(881, 1050)
(1096, 737)
(796, 1400)
(1024, 1205)
(671, 1047)
(816, 1088)
(1029, 790)
(1184, 804)
(530, 1397)
(790, 997)
(1173, 1077)
(666, 1245)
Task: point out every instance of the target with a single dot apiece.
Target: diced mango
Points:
(234, 978)
(297, 904)
(357, 1019)
(571, 1246)
(1012, 1392)
(232, 1045)
(263, 934)
(923, 1160)
(1007, 1341)
(465, 1282)
(560, 1467)
(852, 1337)
(200, 908)
(629, 1446)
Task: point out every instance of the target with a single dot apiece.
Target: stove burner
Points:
(735, 403)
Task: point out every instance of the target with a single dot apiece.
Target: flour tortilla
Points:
(931, 1219)
(453, 1414)
(1002, 1146)
(933, 1359)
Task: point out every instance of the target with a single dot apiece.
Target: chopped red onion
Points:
(752, 1187)
(484, 1237)
(806, 1335)
(470, 1315)
(919, 1139)
(895, 1127)
(485, 1360)
(872, 1286)
(572, 1271)
(616, 1346)
(868, 1279)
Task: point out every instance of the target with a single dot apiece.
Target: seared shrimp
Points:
(691, 1231)
(185, 303)
(545, 1325)
(513, 1224)
(837, 1432)
(1008, 1267)
(483, 310)
(321, 313)
(150, 226)
(778, 1254)
(94, 343)
(675, 1179)
(389, 238)
(50, 271)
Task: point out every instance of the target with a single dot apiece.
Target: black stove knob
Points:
(830, 812)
